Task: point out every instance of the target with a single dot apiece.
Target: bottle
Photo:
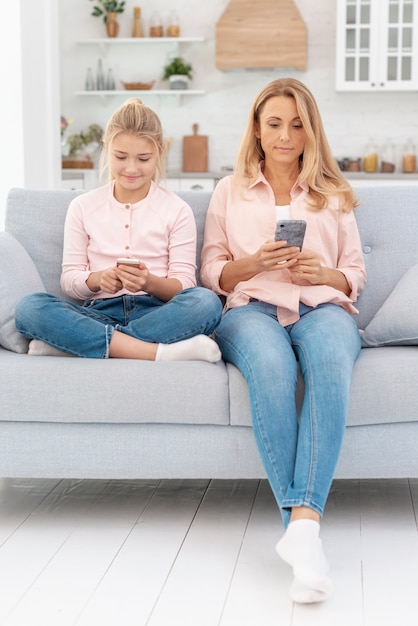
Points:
(156, 25)
(137, 27)
(100, 80)
(89, 84)
(110, 80)
(370, 160)
(388, 157)
(409, 158)
(173, 28)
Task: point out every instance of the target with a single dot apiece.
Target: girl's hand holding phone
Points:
(132, 273)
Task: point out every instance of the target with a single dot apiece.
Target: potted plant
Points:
(109, 9)
(178, 72)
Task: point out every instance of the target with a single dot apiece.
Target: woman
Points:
(149, 310)
(288, 307)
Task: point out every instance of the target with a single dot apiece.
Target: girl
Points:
(149, 310)
(289, 308)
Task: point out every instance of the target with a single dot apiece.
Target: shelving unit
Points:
(105, 43)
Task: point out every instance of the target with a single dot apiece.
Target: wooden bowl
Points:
(138, 86)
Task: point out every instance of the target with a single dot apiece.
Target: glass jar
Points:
(387, 164)
(370, 159)
(156, 25)
(409, 158)
(173, 26)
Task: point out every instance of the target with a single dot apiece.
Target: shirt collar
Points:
(297, 188)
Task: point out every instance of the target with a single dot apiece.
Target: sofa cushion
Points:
(124, 391)
(18, 277)
(396, 322)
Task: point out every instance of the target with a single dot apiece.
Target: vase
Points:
(178, 81)
(112, 25)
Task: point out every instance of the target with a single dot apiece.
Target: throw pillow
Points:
(396, 322)
(18, 277)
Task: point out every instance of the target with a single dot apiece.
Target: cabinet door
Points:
(399, 28)
(357, 44)
(376, 41)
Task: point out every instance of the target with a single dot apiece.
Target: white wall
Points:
(11, 118)
(350, 118)
(30, 104)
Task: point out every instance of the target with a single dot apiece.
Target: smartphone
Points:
(292, 231)
(128, 261)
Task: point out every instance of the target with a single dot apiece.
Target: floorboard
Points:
(198, 553)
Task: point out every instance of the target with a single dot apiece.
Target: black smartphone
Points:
(292, 231)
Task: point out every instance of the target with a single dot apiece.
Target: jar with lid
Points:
(156, 25)
(137, 26)
(370, 160)
(387, 164)
(173, 26)
(409, 157)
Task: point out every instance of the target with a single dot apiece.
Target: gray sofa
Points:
(82, 418)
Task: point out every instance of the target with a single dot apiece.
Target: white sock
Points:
(40, 348)
(301, 548)
(302, 594)
(198, 348)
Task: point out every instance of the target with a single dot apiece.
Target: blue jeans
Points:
(299, 453)
(86, 330)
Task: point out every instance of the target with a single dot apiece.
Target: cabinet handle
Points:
(196, 188)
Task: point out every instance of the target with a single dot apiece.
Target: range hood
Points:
(260, 34)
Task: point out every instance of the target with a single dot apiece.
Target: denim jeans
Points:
(299, 453)
(86, 330)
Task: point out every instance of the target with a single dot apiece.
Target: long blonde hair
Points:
(319, 169)
(137, 119)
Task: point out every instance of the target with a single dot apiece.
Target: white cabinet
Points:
(79, 179)
(377, 45)
(190, 184)
(135, 47)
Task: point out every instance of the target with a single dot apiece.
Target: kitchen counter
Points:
(179, 180)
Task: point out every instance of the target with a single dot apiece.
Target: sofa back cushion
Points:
(387, 219)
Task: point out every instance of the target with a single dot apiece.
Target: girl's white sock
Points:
(37, 347)
(301, 548)
(198, 348)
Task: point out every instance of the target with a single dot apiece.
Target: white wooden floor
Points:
(198, 553)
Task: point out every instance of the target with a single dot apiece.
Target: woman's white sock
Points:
(198, 348)
(302, 594)
(301, 548)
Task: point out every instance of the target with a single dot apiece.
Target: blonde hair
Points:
(319, 169)
(135, 118)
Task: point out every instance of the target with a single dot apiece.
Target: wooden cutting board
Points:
(195, 152)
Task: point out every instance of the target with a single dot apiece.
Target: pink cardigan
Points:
(241, 218)
(160, 230)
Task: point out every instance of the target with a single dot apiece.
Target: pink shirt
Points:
(241, 219)
(160, 230)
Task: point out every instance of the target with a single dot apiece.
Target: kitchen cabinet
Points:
(89, 179)
(190, 184)
(136, 46)
(79, 179)
(377, 45)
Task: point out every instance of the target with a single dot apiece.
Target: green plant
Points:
(107, 6)
(177, 65)
(93, 134)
